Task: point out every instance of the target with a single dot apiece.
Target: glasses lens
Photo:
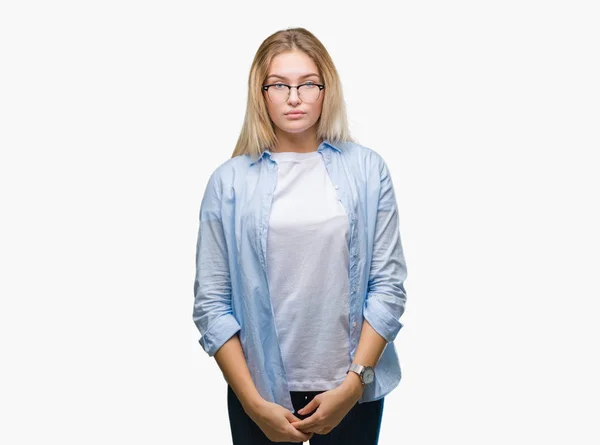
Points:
(309, 93)
(278, 93)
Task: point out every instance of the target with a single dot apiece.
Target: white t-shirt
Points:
(307, 271)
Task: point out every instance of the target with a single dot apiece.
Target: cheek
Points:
(319, 105)
(271, 110)
(317, 109)
(269, 106)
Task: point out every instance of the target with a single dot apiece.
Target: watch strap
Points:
(358, 369)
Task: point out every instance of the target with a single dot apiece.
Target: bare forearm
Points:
(370, 346)
(231, 360)
(369, 350)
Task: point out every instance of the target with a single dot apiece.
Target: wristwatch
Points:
(366, 373)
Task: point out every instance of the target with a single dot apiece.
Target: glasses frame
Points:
(266, 88)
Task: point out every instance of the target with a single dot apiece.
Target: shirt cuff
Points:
(220, 331)
(381, 319)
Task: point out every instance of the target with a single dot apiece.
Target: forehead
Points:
(292, 65)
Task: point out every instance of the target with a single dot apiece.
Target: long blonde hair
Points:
(258, 131)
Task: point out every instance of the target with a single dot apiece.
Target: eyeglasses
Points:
(280, 92)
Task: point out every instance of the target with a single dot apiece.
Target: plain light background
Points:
(112, 116)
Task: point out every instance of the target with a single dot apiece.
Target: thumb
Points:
(310, 407)
(290, 416)
(297, 433)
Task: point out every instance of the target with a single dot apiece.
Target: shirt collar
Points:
(325, 144)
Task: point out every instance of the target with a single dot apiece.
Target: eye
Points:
(309, 85)
(279, 86)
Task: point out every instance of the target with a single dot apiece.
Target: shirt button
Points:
(353, 324)
(337, 187)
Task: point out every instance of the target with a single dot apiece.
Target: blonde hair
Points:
(258, 131)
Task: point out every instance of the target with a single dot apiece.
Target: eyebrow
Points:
(285, 78)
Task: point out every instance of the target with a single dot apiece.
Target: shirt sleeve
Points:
(386, 296)
(212, 286)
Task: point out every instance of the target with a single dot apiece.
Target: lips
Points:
(294, 113)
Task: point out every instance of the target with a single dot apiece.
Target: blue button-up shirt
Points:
(231, 291)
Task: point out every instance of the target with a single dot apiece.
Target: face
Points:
(293, 68)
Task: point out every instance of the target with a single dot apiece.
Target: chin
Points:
(295, 129)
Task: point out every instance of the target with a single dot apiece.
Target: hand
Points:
(331, 407)
(275, 421)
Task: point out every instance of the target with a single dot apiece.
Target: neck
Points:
(304, 142)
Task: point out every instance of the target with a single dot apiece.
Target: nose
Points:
(294, 98)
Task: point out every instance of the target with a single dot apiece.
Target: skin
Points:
(274, 420)
(330, 407)
(299, 135)
(333, 405)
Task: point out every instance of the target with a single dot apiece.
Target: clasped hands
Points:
(330, 407)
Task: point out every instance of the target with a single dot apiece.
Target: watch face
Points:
(368, 375)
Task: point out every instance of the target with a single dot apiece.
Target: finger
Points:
(310, 406)
(299, 435)
(306, 424)
(290, 417)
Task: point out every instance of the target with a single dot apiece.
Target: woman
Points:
(300, 269)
